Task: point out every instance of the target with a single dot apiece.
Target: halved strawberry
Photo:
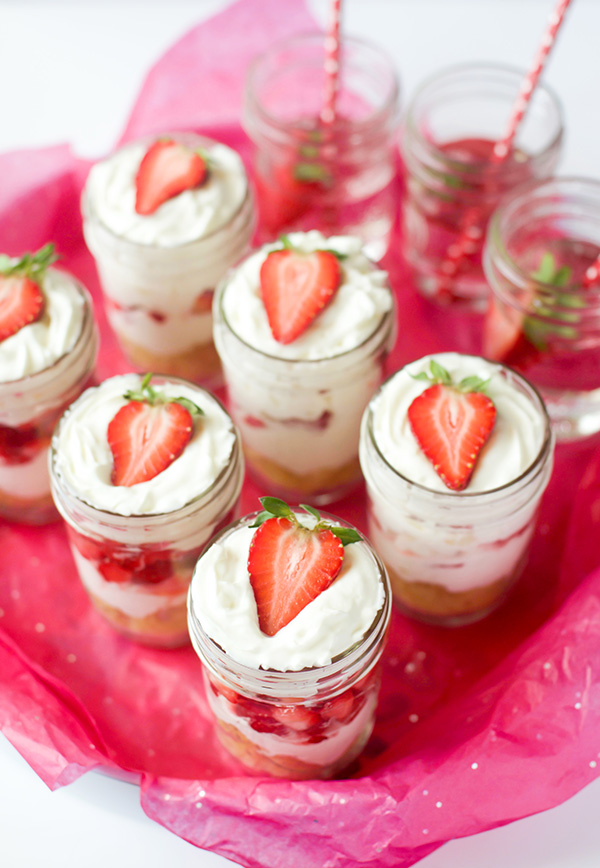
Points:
(21, 297)
(289, 564)
(147, 434)
(295, 287)
(451, 426)
(167, 169)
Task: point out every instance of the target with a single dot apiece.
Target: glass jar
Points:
(542, 320)
(29, 410)
(158, 291)
(453, 184)
(338, 177)
(309, 723)
(300, 419)
(452, 556)
(137, 568)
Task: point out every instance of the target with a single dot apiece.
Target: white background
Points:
(69, 72)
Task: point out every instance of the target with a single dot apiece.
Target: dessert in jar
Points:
(456, 452)
(164, 219)
(288, 612)
(454, 178)
(303, 327)
(144, 471)
(544, 315)
(48, 344)
(316, 168)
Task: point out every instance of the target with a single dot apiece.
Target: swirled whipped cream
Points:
(40, 344)
(513, 446)
(110, 191)
(84, 462)
(223, 601)
(354, 313)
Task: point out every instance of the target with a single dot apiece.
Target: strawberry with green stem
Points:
(149, 433)
(290, 564)
(296, 286)
(21, 297)
(451, 423)
(167, 169)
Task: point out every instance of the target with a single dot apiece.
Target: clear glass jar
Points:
(158, 296)
(137, 568)
(300, 419)
(547, 325)
(452, 556)
(29, 410)
(338, 177)
(453, 185)
(310, 723)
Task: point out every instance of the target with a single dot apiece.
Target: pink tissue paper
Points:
(494, 721)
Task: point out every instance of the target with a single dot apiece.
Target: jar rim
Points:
(254, 678)
(138, 521)
(471, 69)
(471, 497)
(89, 212)
(315, 36)
(530, 192)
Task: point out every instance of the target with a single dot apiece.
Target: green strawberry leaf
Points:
(346, 535)
(276, 506)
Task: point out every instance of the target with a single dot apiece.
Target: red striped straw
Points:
(472, 231)
(332, 63)
(592, 274)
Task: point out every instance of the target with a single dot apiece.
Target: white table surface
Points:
(70, 72)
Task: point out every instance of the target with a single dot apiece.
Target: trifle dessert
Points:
(48, 344)
(164, 219)
(144, 471)
(456, 452)
(303, 327)
(288, 612)
(456, 176)
(544, 313)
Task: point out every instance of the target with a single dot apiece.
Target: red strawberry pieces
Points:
(167, 169)
(145, 439)
(504, 339)
(289, 566)
(451, 427)
(295, 287)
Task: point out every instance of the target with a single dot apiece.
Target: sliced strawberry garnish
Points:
(295, 287)
(147, 434)
(289, 564)
(451, 426)
(21, 297)
(167, 169)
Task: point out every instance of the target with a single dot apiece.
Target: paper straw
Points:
(592, 274)
(332, 63)
(472, 231)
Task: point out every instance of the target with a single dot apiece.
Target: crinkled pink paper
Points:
(494, 721)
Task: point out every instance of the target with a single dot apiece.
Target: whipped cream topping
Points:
(222, 599)
(513, 446)
(40, 344)
(193, 214)
(354, 313)
(83, 460)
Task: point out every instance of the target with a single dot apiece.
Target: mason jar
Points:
(299, 407)
(452, 556)
(158, 271)
(31, 405)
(301, 721)
(336, 175)
(136, 560)
(543, 319)
(453, 182)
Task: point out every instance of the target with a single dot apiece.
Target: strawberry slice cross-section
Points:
(167, 169)
(451, 424)
(295, 287)
(289, 564)
(21, 298)
(148, 434)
